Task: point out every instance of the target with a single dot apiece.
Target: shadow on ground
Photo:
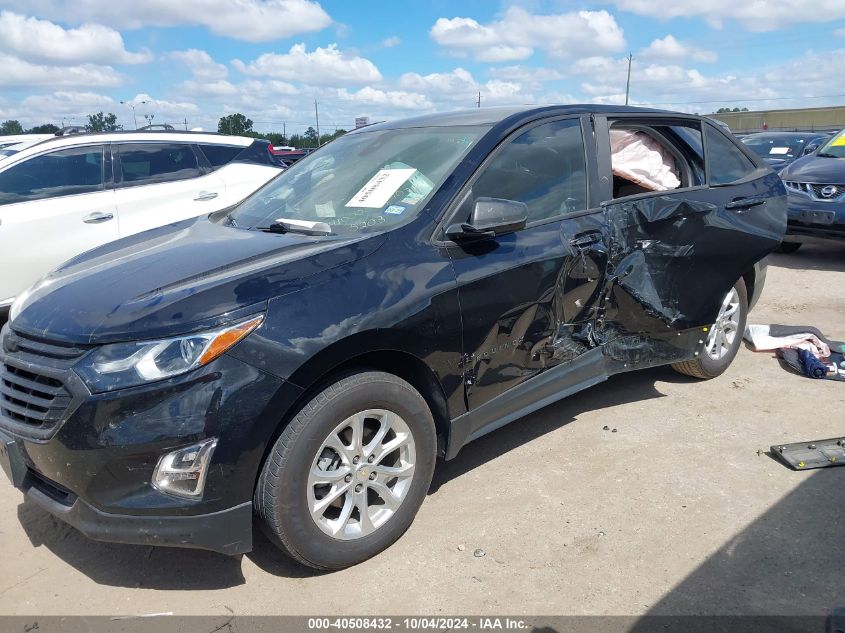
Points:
(786, 563)
(192, 570)
(826, 256)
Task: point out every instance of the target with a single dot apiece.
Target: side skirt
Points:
(550, 386)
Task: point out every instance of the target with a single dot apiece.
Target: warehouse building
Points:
(796, 120)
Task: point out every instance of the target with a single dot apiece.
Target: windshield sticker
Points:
(324, 210)
(380, 188)
(395, 209)
(779, 150)
(413, 197)
(839, 141)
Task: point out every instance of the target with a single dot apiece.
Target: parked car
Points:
(305, 356)
(68, 194)
(815, 185)
(779, 149)
(13, 144)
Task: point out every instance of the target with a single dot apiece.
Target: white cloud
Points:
(459, 88)
(200, 63)
(390, 42)
(19, 73)
(70, 105)
(393, 98)
(755, 15)
(247, 20)
(323, 66)
(37, 40)
(669, 48)
(839, 32)
(163, 108)
(518, 33)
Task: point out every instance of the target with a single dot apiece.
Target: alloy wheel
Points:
(724, 331)
(361, 474)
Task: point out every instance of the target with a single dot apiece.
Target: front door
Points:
(527, 297)
(53, 206)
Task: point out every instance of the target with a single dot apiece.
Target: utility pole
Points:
(317, 116)
(285, 132)
(133, 105)
(628, 84)
(479, 98)
(186, 124)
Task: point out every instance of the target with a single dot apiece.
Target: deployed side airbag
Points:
(639, 158)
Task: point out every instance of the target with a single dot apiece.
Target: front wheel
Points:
(788, 247)
(347, 475)
(723, 338)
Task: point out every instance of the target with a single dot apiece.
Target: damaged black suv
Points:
(301, 360)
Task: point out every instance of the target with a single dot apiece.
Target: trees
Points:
(7, 128)
(310, 137)
(236, 124)
(47, 128)
(724, 110)
(102, 123)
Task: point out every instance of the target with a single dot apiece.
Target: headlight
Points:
(128, 364)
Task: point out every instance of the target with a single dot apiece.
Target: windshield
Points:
(835, 147)
(366, 181)
(776, 146)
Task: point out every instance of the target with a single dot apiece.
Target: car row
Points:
(302, 358)
(63, 195)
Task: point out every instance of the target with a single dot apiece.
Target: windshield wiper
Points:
(826, 155)
(304, 227)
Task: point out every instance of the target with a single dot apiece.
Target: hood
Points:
(812, 168)
(180, 278)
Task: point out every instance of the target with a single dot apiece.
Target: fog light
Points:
(182, 472)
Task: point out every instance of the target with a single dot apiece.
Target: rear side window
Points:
(62, 173)
(148, 163)
(219, 155)
(544, 168)
(725, 160)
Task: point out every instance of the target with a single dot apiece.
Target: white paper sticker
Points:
(325, 210)
(379, 189)
(779, 150)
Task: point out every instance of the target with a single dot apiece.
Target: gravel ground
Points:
(678, 511)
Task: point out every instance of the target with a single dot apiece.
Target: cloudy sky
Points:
(271, 59)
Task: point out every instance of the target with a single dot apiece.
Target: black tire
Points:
(788, 247)
(705, 367)
(281, 494)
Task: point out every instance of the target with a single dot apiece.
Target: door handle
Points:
(583, 241)
(206, 195)
(97, 217)
(744, 203)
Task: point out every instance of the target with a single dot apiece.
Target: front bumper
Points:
(92, 465)
(812, 220)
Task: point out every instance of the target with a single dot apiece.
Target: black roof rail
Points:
(71, 129)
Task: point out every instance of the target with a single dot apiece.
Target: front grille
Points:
(817, 191)
(33, 384)
(837, 191)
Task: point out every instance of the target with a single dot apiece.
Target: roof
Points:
(490, 116)
(90, 138)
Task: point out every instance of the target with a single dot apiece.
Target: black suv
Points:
(305, 356)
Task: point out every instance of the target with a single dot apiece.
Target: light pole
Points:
(133, 105)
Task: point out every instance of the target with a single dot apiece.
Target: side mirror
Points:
(810, 149)
(490, 217)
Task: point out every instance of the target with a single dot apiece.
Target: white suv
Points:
(66, 195)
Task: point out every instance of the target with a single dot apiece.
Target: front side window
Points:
(726, 161)
(64, 172)
(544, 168)
(366, 181)
(154, 163)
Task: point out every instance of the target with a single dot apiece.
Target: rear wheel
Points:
(723, 338)
(348, 474)
(788, 247)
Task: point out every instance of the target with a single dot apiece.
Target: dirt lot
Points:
(676, 512)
